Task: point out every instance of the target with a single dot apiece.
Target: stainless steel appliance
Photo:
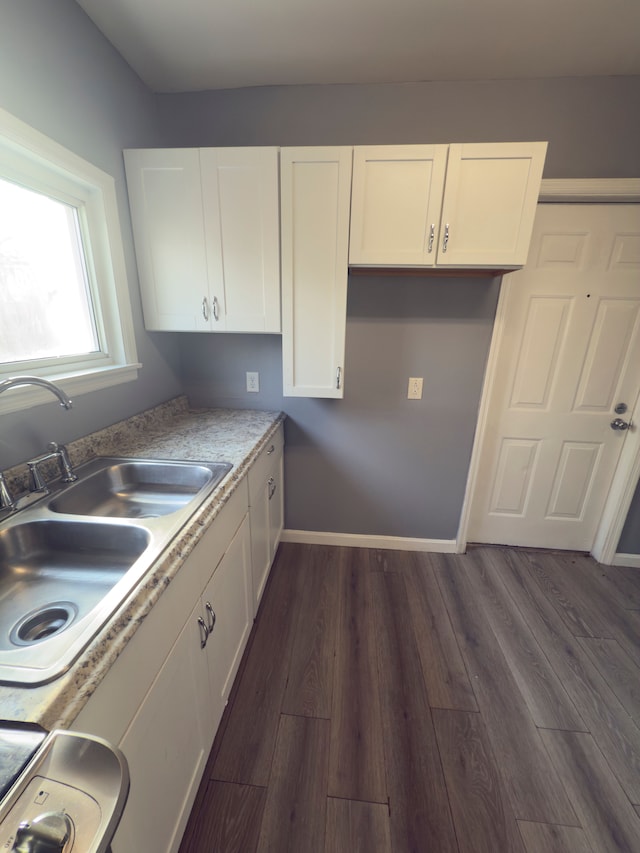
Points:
(61, 793)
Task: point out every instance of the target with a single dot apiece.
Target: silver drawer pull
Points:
(432, 234)
(216, 310)
(338, 378)
(205, 308)
(445, 241)
(204, 632)
(272, 487)
(270, 450)
(211, 617)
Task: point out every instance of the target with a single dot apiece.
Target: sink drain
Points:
(43, 623)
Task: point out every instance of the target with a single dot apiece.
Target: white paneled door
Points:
(568, 365)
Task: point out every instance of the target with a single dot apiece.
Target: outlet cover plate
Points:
(415, 388)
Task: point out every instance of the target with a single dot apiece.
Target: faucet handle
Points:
(6, 501)
(66, 469)
(36, 480)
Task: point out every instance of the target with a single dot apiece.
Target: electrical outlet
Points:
(415, 388)
(253, 382)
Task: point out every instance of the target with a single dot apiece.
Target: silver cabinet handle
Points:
(445, 239)
(338, 378)
(211, 617)
(205, 309)
(272, 487)
(216, 309)
(270, 450)
(204, 632)
(432, 234)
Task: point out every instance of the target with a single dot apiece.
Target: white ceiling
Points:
(192, 45)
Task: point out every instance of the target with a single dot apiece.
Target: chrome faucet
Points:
(18, 381)
(59, 452)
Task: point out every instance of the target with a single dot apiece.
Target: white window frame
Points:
(28, 156)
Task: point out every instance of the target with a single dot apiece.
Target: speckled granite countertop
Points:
(169, 431)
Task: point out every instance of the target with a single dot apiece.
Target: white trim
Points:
(630, 561)
(590, 189)
(594, 190)
(620, 495)
(34, 156)
(357, 540)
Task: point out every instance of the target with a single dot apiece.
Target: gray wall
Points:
(58, 74)
(592, 124)
(375, 462)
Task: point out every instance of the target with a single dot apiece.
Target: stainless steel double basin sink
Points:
(68, 561)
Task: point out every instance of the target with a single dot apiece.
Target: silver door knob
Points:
(619, 424)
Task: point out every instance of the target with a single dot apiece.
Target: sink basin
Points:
(53, 574)
(138, 488)
(70, 560)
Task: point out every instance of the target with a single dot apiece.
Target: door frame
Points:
(625, 479)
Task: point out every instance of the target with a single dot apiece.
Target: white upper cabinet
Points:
(205, 224)
(240, 201)
(463, 206)
(396, 197)
(490, 199)
(165, 197)
(315, 201)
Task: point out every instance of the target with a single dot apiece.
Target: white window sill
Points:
(74, 384)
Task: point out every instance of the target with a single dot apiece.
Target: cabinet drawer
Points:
(262, 467)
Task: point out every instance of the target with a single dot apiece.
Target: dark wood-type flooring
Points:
(396, 701)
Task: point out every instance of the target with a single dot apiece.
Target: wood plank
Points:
(419, 809)
(604, 811)
(546, 698)
(547, 838)
(618, 670)
(245, 752)
(445, 676)
(615, 732)
(295, 809)
(356, 827)
(577, 608)
(627, 582)
(535, 790)
(482, 814)
(228, 818)
(615, 621)
(356, 765)
(310, 680)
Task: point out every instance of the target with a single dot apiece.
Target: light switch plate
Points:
(415, 388)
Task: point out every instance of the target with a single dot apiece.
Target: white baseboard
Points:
(632, 561)
(357, 540)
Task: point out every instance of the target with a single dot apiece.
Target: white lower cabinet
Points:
(166, 747)
(228, 615)
(266, 511)
(163, 698)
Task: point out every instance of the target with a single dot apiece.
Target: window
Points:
(64, 300)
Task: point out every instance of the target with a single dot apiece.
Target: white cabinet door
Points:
(241, 215)
(396, 196)
(266, 512)
(206, 229)
(315, 202)
(229, 617)
(490, 199)
(166, 749)
(166, 211)
(276, 505)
